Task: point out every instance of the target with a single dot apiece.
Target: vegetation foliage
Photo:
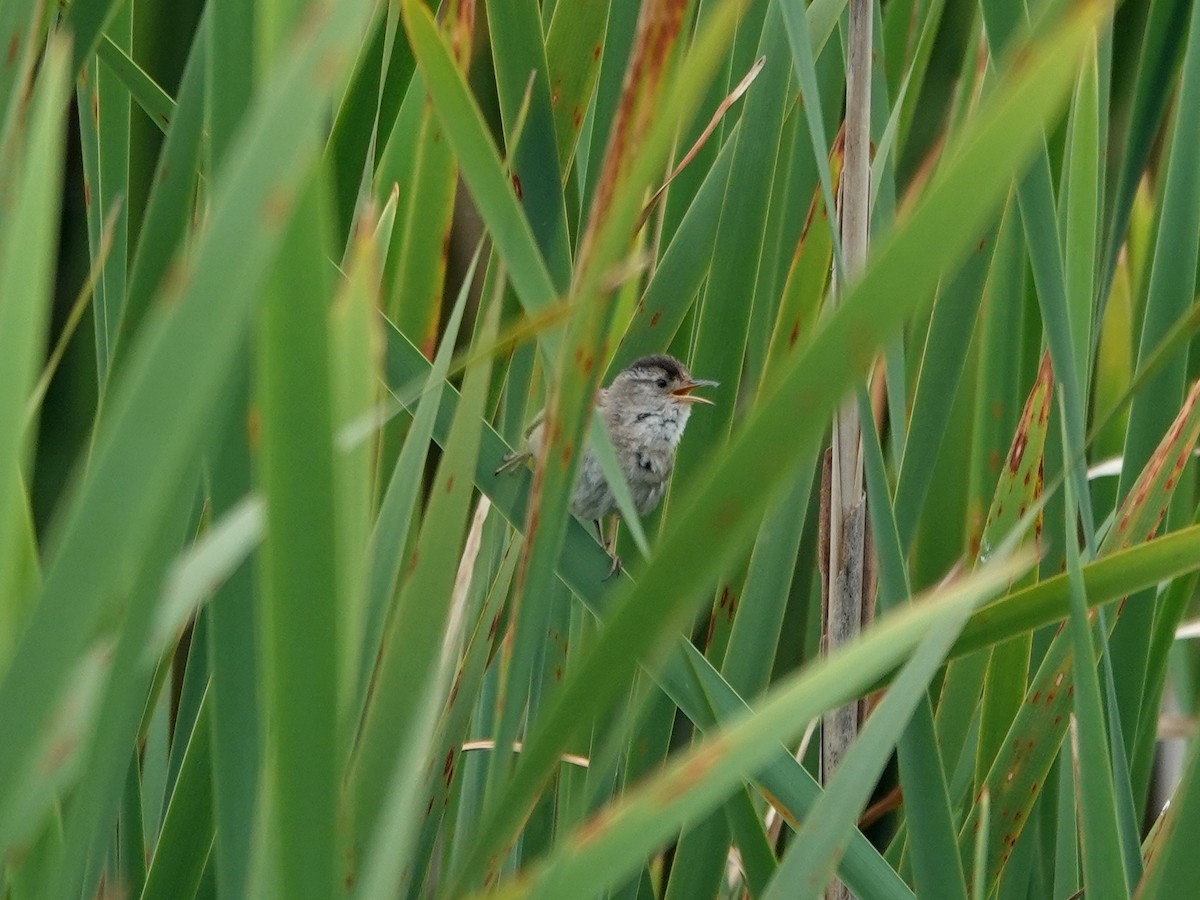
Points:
(282, 282)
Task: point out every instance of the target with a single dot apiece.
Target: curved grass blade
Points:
(28, 248)
(127, 689)
(937, 869)
(807, 279)
(87, 20)
(942, 362)
(574, 46)
(1100, 841)
(154, 101)
(299, 597)
(417, 156)
(1111, 577)
(165, 218)
(527, 105)
(104, 118)
(1020, 490)
(22, 33)
(356, 357)
(1172, 864)
(803, 55)
(186, 840)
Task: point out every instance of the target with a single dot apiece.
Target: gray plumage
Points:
(645, 411)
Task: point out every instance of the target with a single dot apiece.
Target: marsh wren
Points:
(645, 410)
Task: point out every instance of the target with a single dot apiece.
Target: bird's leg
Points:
(610, 547)
(513, 461)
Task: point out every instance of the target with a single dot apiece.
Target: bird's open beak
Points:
(685, 393)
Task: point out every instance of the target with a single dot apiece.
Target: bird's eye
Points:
(662, 383)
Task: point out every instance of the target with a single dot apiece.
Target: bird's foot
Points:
(511, 461)
(616, 565)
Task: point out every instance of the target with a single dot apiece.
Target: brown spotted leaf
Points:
(1019, 489)
(999, 674)
(1020, 768)
(1020, 483)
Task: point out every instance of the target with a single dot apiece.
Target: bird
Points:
(645, 410)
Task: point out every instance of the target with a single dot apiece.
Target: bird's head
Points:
(656, 384)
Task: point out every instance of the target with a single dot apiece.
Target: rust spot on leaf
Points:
(58, 754)
(593, 828)
(794, 334)
(253, 427)
(659, 26)
(276, 208)
(779, 807)
(449, 484)
(328, 68)
(516, 183)
(694, 771)
(655, 319)
(1017, 452)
